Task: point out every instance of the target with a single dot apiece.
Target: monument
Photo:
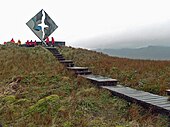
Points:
(42, 25)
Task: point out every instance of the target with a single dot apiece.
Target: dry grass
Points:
(147, 75)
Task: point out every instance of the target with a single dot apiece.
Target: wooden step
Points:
(61, 59)
(80, 70)
(67, 63)
(55, 51)
(100, 80)
(52, 49)
(57, 54)
(158, 103)
(83, 72)
(168, 92)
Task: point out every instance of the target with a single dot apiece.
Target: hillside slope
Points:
(148, 75)
(150, 52)
(36, 90)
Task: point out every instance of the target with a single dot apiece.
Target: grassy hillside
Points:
(36, 90)
(147, 75)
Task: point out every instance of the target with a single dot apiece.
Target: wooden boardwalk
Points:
(157, 103)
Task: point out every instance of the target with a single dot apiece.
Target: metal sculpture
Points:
(42, 25)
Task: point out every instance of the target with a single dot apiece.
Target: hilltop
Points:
(36, 90)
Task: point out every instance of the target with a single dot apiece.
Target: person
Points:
(52, 41)
(30, 44)
(27, 43)
(12, 40)
(35, 43)
(47, 41)
(19, 43)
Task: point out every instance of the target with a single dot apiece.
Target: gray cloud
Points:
(156, 34)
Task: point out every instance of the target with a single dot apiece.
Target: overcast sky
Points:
(83, 21)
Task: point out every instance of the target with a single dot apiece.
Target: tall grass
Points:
(147, 75)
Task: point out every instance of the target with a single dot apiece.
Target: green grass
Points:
(50, 96)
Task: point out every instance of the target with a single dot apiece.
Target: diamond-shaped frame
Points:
(42, 25)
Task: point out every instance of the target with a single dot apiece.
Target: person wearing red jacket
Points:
(12, 40)
(30, 44)
(35, 43)
(52, 41)
(47, 41)
(27, 43)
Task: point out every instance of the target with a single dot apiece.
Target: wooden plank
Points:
(167, 108)
(78, 68)
(112, 88)
(156, 100)
(157, 103)
(86, 72)
(130, 93)
(60, 59)
(159, 100)
(66, 61)
(163, 104)
(146, 99)
(99, 78)
(168, 92)
(142, 95)
(149, 95)
(58, 55)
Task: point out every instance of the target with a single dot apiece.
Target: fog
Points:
(91, 23)
(153, 35)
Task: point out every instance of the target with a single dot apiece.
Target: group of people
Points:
(31, 43)
(48, 41)
(13, 42)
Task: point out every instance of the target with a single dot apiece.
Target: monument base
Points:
(57, 43)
